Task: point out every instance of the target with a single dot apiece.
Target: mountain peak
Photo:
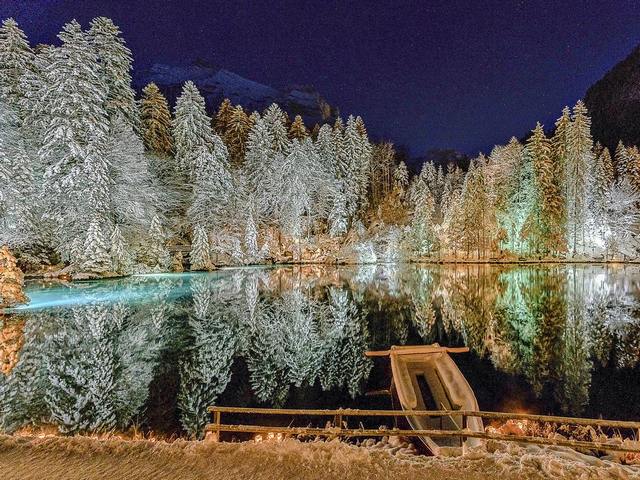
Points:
(216, 84)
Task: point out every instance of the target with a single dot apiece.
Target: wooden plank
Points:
(431, 413)
(410, 350)
(428, 433)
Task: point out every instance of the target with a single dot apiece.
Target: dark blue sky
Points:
(426, 74)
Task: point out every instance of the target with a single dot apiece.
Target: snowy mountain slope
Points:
(215, 84)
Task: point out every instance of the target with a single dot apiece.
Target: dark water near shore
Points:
(154, 351)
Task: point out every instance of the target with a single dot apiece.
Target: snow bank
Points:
(88, 458)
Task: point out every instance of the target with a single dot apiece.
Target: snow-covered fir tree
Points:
(156, 255)
(236, 132)
(191, 127)
(212, 186)
(96, 250)
(73, 140)
(577, 171)
(114, 59)
(17, 61)
(121, 259)
(222, 118)
(297, 130)
(156, 121)
(200, 256)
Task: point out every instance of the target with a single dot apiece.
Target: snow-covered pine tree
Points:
(607, 165)
(200, 256)
(96, 252)
(275, 119)
(622, 159)
(294, 199)
(157, 256)
(177, 262)
(338, 221)
(382, 160)
(514, 216)
(548, 212)
(363, 167)
(16, 61)
(135, 194)
(599, 187)
(236, 133)
(191, 127)
(578, 167)
(423, 231)
(253, 118)
(633, 167)
(73, 99)
(156, 121)
(401, 178)
(353, 149)
(19, 202)
(622, 219)
(251, 239)
(327, 148)
(114, 58)
(559, 145)
(221, 120)
(212, 186)
(121, 260)
(297, 130)
(315, 131)
(259, 169)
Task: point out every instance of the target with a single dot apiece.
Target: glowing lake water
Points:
(156, 350)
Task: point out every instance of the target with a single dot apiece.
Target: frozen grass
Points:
(87, 458)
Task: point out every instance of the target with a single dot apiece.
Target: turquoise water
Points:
(155, 350)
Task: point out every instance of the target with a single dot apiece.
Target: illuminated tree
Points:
(221, 121)
(156, 121)
(297, 130)
(578, 166)
(548, 208)
(235, 136)
(423, 231)
(401, 178)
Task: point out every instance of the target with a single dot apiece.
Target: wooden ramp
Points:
(425, 377)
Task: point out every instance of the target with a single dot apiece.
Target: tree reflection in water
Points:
(92, 352)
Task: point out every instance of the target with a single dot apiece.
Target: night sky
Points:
(427, 74)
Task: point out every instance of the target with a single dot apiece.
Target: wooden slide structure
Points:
(426, 378)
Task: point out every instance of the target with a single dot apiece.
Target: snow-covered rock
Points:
(11, 280)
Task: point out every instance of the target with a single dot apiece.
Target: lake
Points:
(153, 351)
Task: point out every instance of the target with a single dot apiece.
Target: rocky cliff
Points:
(614, 103)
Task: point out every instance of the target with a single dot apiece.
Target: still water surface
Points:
(154, 351)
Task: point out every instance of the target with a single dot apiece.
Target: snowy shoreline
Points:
(88, 458)
(62, 276)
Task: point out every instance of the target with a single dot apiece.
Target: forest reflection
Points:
(103, 356)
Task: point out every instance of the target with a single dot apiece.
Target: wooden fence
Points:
(339, 416)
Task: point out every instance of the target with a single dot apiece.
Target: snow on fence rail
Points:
(338, 416)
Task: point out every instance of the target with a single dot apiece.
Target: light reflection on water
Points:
(156, 350)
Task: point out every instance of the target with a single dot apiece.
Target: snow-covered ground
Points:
(88, 458)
